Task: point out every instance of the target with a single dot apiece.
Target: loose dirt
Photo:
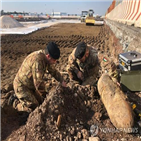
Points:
(80, 108)
(8, 22)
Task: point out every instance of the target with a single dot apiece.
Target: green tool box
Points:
(131, 80)
(130, 65)
(130, 61)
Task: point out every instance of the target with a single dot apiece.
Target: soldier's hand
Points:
(80, 75)
(64, 84)
(118, 84)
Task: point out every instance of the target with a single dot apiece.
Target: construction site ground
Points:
(79, 111)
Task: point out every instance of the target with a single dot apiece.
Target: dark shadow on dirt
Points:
(11, 120)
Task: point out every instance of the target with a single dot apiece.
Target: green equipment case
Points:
(130, 61)
(130, 66)
(130, 80)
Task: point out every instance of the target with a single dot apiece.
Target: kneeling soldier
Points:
(28, 83)
(83, 65)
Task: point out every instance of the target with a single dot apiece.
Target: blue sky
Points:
(46, 6)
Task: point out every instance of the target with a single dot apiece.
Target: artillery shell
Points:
(118, 108)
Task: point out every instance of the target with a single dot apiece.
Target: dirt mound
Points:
(72, 106)
(80, 109)
(8, 22)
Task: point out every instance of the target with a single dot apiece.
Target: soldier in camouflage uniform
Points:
(29, 84)
(108, 66)
(83, 65)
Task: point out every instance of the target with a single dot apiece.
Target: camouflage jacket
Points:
(86, 67)
(32, 71)
(109, 67)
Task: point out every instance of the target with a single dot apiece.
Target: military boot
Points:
(16, 104)
(21, 108)
(11, 99)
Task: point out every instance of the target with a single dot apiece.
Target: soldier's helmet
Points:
(53, 50)
(80, 50)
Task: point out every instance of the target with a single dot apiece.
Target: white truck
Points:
(83, 15)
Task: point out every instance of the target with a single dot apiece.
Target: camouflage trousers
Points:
(27, 98)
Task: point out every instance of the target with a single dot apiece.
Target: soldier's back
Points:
(25, 73)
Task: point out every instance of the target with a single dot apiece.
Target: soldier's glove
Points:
(64, 84)
(47, 86)
(80, 75)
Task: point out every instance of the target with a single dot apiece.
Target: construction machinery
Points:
(90, 18)
(83, 15)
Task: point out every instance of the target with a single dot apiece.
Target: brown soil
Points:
(79, 108)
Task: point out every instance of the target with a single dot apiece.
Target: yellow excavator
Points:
(90, 18)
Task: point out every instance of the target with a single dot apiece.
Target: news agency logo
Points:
(94, 130)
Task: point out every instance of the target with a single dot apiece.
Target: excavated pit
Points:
(80, 107)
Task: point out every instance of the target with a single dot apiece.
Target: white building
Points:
(58, 14)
